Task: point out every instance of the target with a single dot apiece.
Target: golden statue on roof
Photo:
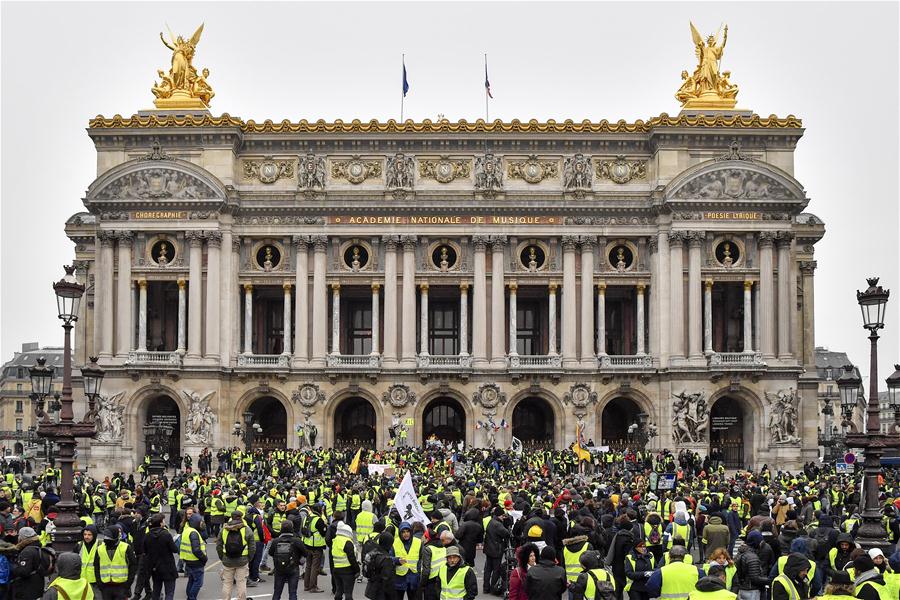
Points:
(708, 87)
(182, 87)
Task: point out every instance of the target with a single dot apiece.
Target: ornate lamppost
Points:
(872, 533)
(248, 431)
(65, 430)
(642, 432)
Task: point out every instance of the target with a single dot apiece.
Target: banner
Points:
(517, 445)
(381, 469)
(407, 503)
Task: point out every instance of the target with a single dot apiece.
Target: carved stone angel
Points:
(399, 173)
(312, 172)
(577, 173)
(783, 415)
(488, 174)
(200, 418)
(111, 418)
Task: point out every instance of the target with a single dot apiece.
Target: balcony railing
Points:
(736, 359)
(533, 362)
(353, 362)
(441, 362)
(145, 358)
(625, 361)
(278, 361)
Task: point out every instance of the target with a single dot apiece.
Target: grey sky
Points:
(834, 65)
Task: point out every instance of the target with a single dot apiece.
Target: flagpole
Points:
(402, 80)
(487, 116)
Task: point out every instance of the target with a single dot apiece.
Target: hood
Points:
(404, 525)
(68, 565)
(715, 520)
(235, 525)
(710, 584)
(873, 575)
(574, 543)
(681, 518)
(472, 515)
(795, 563)
(799, 546)
(344, 529)
(844, 537)
(195, 520)
(367, 505)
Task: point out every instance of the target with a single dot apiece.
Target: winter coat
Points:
(867, 592)
(709, 584)
(159, 553)
(792, 568)
(545, 581)
(380, 584)
(235, 525)
(640, 573)
(28, 582)
(622, 544)
(496, 538)
(750, 574)
(67, 567)
(716, 535)
(470, 534)
(470, 581)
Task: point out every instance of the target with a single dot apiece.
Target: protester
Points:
(236, 548)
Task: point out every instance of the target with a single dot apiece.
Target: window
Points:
(443, 328)
(18, 424)
(18, 387)
(19, 407)
(359, 332)
(828, 390)
(529, 338)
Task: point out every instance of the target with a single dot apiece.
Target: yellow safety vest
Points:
(73, 589)
(682, 531)
(572, 561)
(782, 560)
(277, 519)
(340, 502)
(411, 564)
(717, 595)
(115, 569)
(590, 589)
(365, 525)
(185, 551)
(438, 560)
(788, 586)
(87, 562)
(338, 555)
(315, 539)
(884, 593)
(678, 580)
(454, 589)
(633, 562)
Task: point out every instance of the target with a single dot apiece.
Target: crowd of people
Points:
(547, 525)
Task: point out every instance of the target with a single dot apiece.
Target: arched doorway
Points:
(269, 412)
(18, 449)
(729, 432)
(163, 415)
(444, 419)
(354, 423)
(533, 423)
(618, 415)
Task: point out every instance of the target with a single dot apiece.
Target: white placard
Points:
(407, 503)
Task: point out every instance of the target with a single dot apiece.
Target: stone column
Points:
(640, 319)
(588, 355)
(707, 317)
(463, 318)
(390, 298)
(423, 319)
(320, 302)
(807, 271)
(195, 294)
(663, 297)
(748, 316)
(408, 337)
(551, 317)
(103, 311)
(182, 316)
(124, 322)
(653, 249)
(213, 250)
(569, 317)
(248, 318)
(513, 325)
(676, 278)
(376, 317)
(784, 294)
(335, 318)
(287, 318)
(498, 302)
(766, 295)
(479, 303)
(695, 289)
(234, 295)
(227, 283)
(601, 318)
(301, 299)
(142, 315)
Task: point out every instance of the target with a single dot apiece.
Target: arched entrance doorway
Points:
(269, 412)
(618, 415)
(533, 423)
(354, 424)
(162, 428)
(729, 432)
(444, 419)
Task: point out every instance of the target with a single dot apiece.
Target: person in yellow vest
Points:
(235, 547)
(838, 591)
(573, 549)
(791, 585)
(407, 550)
(594, 582)
(456, 580)
(70, 583)
(87, 551)
(868, 582)
(365, 522)
(115, 566)
(713, 586)
(343, 564)
(675, 580)
(314, 540)
(434, 556)
(192, 550)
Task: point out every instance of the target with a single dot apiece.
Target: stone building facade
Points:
(456, 279)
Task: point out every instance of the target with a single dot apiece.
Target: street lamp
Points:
(848, 386)
(248, 431)
(41, 384)
(65, 431)
(92, 376)
(893, 385)
(872, 534)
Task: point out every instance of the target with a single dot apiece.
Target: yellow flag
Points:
(354, 466)
(579, 450)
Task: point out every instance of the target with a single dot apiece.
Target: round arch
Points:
(432, 395)
(355, 423)
(737, 443)
(558, 413)
(329, 439)
(780, 176)
(207, 186)
(271, 415)
(136, 410)
(246, 402)
(618, 409)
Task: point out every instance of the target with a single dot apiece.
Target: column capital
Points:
(142, 283)
(784, 238)
(181, 284)
(695, 238)
(708, 283)
(513, 286)
(286, 286)
(653, 244)
(125, 238)
(236, 243)
(194, 237)
(335, 288)
(551, 287)
(409, 242)
(300, 242)
(376, 286)
(766, 238)
(748, 285)
(807, 267)
(569, 242)
(480, 242)
(389, 241)
(320, 242)
(587, 243)
(106, 238)
(676, 238)
(498, 242)
(248, 287)
(464, 286)
(214, 239)
(423, 287)
(640, 288)
(601, 286)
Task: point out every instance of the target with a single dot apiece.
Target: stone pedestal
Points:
(102, 459)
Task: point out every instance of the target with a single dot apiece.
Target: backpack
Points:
(47, 564)
(283, 555)
(604, 589)
(367, 564)
(821, 539)
(234, 544)
(655, 536)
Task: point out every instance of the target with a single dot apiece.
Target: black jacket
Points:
(380, 584)
(642, 564)
(27, 583)
(159, 553)
(298, 549)
(545, 581)
(470, 533)
(792, 568)
(750, 575)
(496, 538)
(622, 544)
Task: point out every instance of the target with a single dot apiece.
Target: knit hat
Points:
(754, 539)
(873, 552)
(26, 532)
(863, 563)
(452, 551)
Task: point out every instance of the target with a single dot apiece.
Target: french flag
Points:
(487, 82)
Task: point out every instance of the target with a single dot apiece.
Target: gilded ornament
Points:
(183, 87)
(355, 170)
(533, 170)
(708, 87)
(268, 170)
(621, 171)
(444, 170)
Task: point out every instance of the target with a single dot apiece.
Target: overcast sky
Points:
(835, 65)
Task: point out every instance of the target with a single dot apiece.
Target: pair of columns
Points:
(142, 315)
(707, 317)
(248, 319)
(639, 319)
